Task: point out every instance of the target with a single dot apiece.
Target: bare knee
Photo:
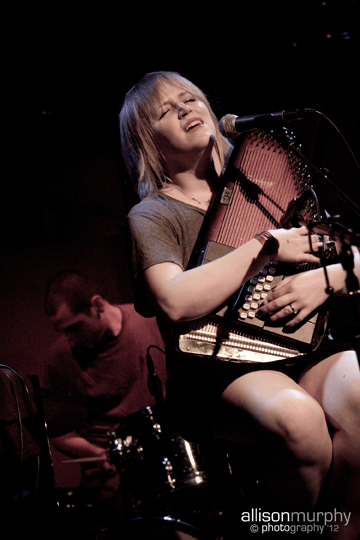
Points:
(299, 422)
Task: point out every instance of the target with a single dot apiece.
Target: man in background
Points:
(102, 360)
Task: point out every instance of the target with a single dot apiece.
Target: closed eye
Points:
(167, 110)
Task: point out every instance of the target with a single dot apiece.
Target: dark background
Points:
(64, 190)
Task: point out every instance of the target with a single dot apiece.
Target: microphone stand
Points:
(338, 232)
(320, 175)
(346, 238)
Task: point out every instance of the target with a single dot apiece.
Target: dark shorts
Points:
(195, 385)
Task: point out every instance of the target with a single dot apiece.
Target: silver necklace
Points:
(192, 198)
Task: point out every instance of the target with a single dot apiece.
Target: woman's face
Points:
(183, 124)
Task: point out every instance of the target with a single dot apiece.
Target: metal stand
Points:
(346, 238)
(332, 228)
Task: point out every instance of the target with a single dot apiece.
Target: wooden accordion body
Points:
(263, 178)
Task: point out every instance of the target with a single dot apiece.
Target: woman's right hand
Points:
(294, 245)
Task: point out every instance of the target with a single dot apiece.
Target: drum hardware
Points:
(169, 470)
(160, 473)
(125, 448)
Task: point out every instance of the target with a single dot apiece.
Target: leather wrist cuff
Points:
(269, 242)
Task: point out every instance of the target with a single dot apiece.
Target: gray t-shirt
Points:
(162, 229)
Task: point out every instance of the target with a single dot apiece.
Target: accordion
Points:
(263, 179)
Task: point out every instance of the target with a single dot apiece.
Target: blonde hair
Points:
(142, 156)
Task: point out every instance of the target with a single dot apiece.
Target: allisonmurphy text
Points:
(325, 518)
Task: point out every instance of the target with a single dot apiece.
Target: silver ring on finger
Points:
(295, 311)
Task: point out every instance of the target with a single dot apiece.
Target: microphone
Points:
(231, 125)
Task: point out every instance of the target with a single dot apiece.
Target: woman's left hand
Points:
(295, 296)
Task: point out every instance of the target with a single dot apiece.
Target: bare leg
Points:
(335, 384)
(270, 410)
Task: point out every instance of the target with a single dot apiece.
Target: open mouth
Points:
(193, 124)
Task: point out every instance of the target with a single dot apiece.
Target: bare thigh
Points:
(247, 406)
(335, 384)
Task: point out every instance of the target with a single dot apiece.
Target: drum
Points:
(159, 528)
(159, 471)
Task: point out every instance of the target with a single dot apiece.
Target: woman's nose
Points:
(183, 109)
